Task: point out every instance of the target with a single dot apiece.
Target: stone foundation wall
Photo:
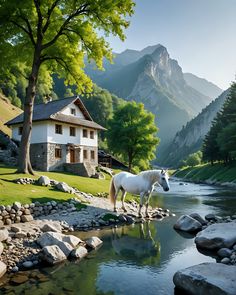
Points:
(43, 158)
(38, 156)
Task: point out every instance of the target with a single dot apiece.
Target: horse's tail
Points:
(112, 191)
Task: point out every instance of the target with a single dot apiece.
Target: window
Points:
(73, 112)
(85, 133)
(72, 131)
(92, 154)
(85, 154)
(58, 153)
(20, 130)
(58, 129)
(92, 134)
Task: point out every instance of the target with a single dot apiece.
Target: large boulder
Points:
(65, 242)
(3, 234)
(216, 236)
(53, 254)
(79, 252)
(93, 242)
(197, 217)
(3, 268)
(44, 180)
(207, 278)
(187, 224)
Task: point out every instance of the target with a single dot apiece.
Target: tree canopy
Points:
(220, 142)
(132, 134)
(54, 36)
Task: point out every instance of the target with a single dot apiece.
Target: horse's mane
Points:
(150, 174)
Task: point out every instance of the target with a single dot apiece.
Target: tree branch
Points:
(40, 19)
(80, 11)
(54, 4)
(25, 30)
(30, 32)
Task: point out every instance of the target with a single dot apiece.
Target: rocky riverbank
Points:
(217, 235)
(45, 235)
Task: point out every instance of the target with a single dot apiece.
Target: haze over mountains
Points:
(150, 76)
(190, 139)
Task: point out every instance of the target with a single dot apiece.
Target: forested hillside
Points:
(220, 142)
(189, 140)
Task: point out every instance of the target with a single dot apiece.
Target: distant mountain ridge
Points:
(202, 85)
(190, 138)
(150, 76)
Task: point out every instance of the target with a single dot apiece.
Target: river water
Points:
(136, 259)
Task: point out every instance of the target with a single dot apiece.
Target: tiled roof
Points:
(50, 111)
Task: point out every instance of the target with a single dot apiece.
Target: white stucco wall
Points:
(39, 132)
(45, 132)
(67, 111)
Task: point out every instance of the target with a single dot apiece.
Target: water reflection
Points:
(135, 244)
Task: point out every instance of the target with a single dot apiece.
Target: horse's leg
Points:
(141, 204)
(123, 199)
(116, 195)
(147, 203)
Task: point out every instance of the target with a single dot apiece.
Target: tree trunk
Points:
(24, 165)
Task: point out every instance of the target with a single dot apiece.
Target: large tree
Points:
(58, 34)
(132, 133)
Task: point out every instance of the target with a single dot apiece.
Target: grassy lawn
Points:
(11, 192)
(218, 172)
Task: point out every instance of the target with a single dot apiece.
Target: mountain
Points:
(189, 140)
(202, 85)
(7, 111)
(150, 76)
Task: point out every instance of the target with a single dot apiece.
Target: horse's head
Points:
(164, 180)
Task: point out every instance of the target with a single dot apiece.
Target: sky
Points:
(199, 34)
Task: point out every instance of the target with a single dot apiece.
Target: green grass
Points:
(11, 192)
(217, 172)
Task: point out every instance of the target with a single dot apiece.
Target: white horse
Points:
(141, 184)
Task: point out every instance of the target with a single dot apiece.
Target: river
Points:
(136, 259)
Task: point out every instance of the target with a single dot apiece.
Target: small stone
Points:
(8, 221)
(224, 252)
(16, 206)
(3, 234)
(26, 218)
(27, 212)
(20, 235)
(28, 264)
(15, 229)
(225, 260)
(15, 269)
(210, 217)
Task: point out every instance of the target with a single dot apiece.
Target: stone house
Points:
(64, 137)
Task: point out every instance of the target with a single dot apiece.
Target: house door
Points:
(72, 155)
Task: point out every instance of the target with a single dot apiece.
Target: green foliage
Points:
(220, 143)
(132, 134)
(58, 34)
(193, 159)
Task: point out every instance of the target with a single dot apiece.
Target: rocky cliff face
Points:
(150, 76)
(190, 138)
